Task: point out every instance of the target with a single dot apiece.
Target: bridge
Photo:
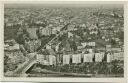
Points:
(21, 70)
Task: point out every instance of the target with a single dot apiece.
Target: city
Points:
(63, 41)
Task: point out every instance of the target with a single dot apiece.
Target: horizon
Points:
(68, 5)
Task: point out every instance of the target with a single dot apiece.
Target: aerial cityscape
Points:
(63, 41)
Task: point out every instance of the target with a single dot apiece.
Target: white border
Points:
(63, 79)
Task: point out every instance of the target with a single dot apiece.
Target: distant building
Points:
(83, 25)
(92, 27)
(46, 31)
(71, 27)
(84, 44)
(33, 45)
(9, 24)
(70, 34)
(14, 46)
(54, 30)
(48, 46)
(12, 53)
(32, 33)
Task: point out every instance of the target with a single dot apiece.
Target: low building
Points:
(45, 31)
(84, 44)
(70, 34)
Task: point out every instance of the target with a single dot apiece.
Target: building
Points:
(32, 33)
(45, 31)
(32, 45)
(84, 44)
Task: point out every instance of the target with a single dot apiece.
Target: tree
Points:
(113, 42)
(73, 45)
(20, 39)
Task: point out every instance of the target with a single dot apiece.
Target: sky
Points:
(63, 4)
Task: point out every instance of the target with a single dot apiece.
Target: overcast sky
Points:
(64, 4)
